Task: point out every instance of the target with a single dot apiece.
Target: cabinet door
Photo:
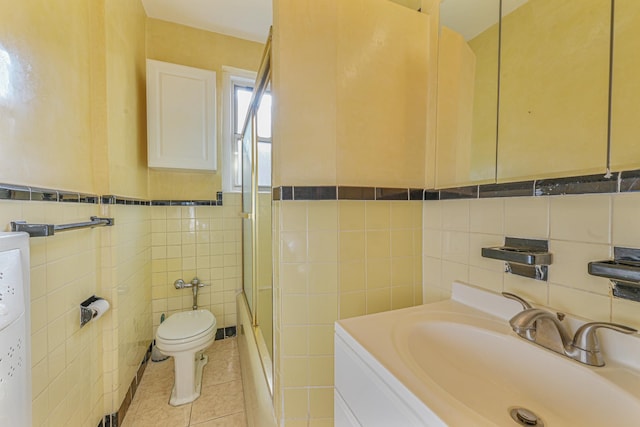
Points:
(467, 106)
(181, 117)
(625, 114)
(554, 78)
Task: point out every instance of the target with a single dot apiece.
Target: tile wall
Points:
(126, 274)
(202, 241)
(81, 375)
(66, 360)
(334, 259)
(580, 228)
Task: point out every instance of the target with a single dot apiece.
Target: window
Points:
(238, 89)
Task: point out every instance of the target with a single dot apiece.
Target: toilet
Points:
(185, 336)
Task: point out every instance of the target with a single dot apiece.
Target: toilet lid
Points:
(186, 324)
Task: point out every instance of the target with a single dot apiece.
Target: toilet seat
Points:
(186, 326)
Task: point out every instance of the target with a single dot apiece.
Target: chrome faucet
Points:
(525, 324)
(583, 347)
(586, 343)
(195, 284)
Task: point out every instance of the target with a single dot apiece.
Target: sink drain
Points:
(525, 417)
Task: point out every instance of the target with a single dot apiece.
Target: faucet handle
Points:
(587, 340)
(509, 295)
(195, 282)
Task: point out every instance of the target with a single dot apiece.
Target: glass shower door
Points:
(256, 217)
(248, 212)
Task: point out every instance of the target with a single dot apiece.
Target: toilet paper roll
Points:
(99, 307)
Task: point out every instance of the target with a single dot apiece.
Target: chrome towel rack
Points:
(43, 230)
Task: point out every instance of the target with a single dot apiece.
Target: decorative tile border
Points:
(115, 419)
(24, 193)
(416, 194)
(511, 189)
(618, 182)
(356, 193)
(223, 333)
(459, 193)
(392, 194)
(345, 193)
(314, 193)
(578, 185)
(185, 203)
(629, 181)
(116, 200)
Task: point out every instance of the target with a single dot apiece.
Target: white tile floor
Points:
(220, 404)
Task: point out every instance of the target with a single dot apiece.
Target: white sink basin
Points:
(479, 363)
(458, 363)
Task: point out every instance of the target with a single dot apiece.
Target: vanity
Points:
(459, 363)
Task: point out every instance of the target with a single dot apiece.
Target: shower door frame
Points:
(250, 124)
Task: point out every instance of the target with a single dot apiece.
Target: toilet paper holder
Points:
(88, 311)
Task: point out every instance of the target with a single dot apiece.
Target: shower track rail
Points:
(43, 230)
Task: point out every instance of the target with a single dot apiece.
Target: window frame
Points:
(234, 78)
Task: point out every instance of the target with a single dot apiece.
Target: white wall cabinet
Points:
(181, 117)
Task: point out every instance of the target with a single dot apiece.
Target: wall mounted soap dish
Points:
(623, 271)
(524, 257)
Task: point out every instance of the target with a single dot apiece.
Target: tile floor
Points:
(220, 404)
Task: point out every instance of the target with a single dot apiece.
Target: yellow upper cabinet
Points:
(553, 88)
(351, 82)
(625, 114)
(467, 105)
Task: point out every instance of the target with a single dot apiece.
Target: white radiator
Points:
(15, 331)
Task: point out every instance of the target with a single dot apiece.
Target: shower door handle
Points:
(245, 215)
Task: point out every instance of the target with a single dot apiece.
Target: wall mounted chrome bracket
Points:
(623, 271)
(524, 257)
(91, 309)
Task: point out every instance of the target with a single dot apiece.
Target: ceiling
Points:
(245, 19)
(251, 19)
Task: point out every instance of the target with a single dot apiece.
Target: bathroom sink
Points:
(479, 363)
(458, 363)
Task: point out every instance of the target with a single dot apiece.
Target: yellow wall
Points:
(59, 61)
(331, 96)
(45, 87)
(350, 80)
(381, 103)
(126, 97)
(178, 44)
(304, 83)
(72, 118)
(411, 4)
